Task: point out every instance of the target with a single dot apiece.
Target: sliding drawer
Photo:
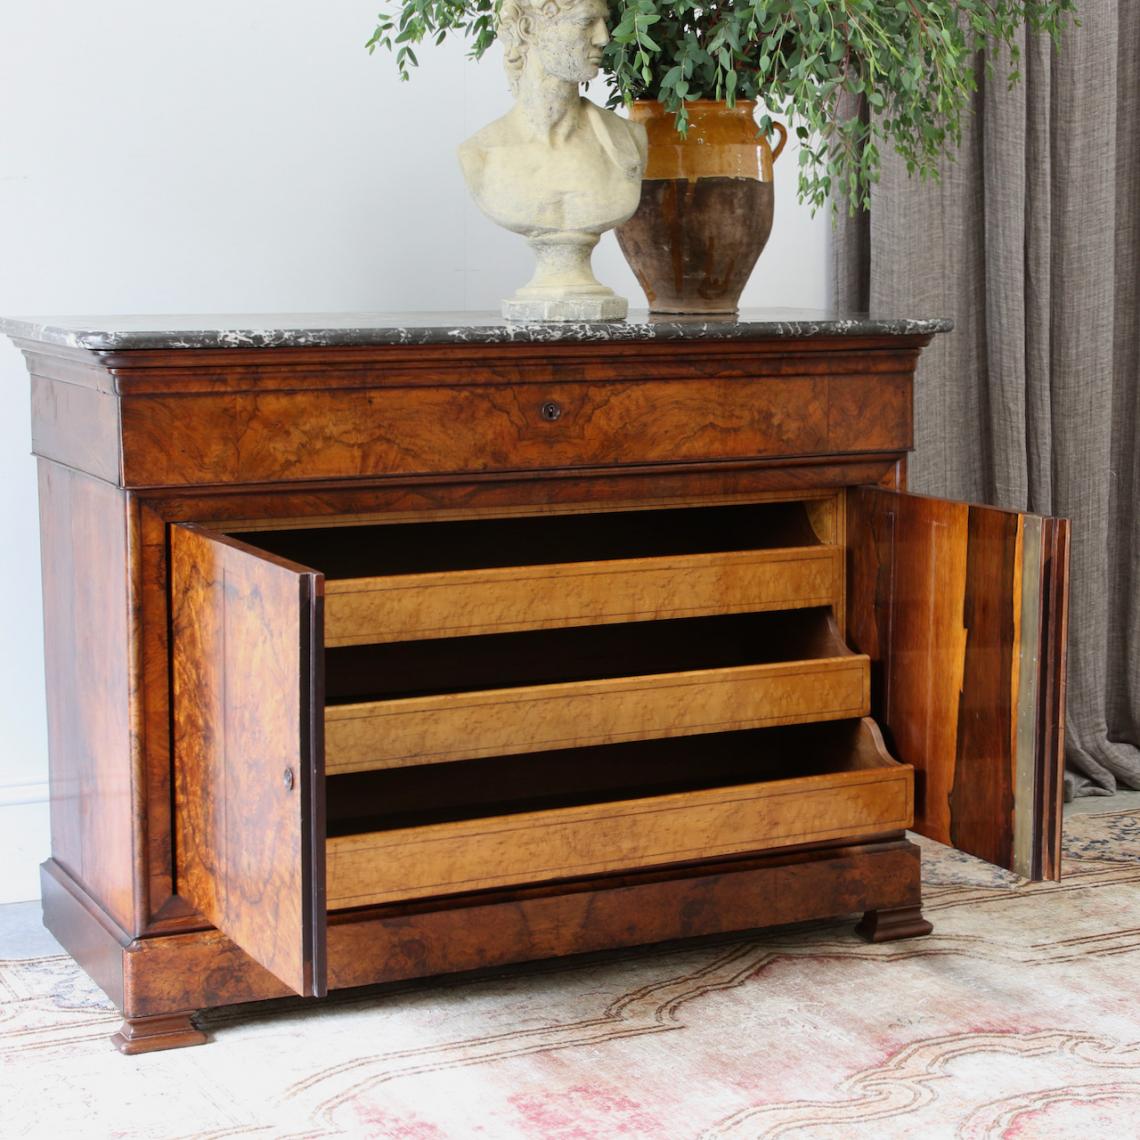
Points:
(458, 726)
(401, 582)
(856, 790)
(506, 599)
(252, 716)
(511, 693)
(256, 693)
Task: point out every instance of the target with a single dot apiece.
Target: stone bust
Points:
(556, 168)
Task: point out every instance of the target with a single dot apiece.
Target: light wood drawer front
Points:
(469, 855)
(407, 607)
(463, 726)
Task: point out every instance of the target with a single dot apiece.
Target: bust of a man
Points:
(556, 168)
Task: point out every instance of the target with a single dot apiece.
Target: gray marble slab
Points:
(306, 330)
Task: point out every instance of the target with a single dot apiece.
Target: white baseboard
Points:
(25, 839)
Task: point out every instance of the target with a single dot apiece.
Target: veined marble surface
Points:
(308, 330)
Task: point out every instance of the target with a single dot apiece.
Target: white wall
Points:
(237, 158)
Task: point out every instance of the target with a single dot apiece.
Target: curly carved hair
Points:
(515, 27)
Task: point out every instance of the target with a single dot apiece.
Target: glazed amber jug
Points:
(706, 206)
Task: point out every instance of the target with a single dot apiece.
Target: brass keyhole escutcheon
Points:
(551, 410)
(287, 779)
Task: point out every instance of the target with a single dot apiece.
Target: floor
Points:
(1015, 1020)
(1096, 805)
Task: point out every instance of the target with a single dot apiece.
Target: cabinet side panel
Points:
(91, 685)
(76, 424)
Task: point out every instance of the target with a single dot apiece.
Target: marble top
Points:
(304, 330)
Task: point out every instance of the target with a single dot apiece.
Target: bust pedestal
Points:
(563, 287)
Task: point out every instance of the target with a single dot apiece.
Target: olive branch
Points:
(856, 76)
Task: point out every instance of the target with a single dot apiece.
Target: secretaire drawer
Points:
(237, 437)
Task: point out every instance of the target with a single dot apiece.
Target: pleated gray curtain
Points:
(1031, 242)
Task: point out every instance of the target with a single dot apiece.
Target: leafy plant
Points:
(856, 75)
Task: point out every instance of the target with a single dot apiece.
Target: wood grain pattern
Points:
(237, 416)
(458, 726)
(81, 926)
(500, 497)
(203, 968)
(1051, 692)
(503, 785)
(76, 424)
(153, 1034)
(90, 662)
(403, 607)
(148, 537)
(240, 438)
(982, 796)
(246, 756)
(881, 925)
(913, 633)
(880, 422)
(481, 931)
(936, 600)
(138, 372)
(477, 854)
(344, 502)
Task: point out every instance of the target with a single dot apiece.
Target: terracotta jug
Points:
(706, 206)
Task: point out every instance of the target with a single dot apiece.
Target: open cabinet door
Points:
(963, 612)
(248, 753)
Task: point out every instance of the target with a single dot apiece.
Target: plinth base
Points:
(566, 309)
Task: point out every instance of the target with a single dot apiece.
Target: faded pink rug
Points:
(1019, 1018)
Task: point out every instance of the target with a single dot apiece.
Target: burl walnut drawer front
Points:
(250, 437)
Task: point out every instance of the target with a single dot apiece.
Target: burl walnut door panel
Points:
(962, 610)
(248, 757)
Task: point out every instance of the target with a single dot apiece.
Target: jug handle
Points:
(782, 131)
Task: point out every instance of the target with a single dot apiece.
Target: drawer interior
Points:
(585, 653)
(401, 835)
(473, 544)
(401, 581)
(543, 781)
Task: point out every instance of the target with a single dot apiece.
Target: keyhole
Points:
(551, 410)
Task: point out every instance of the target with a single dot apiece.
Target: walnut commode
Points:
(383, 649)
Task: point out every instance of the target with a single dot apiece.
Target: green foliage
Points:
(857, 75)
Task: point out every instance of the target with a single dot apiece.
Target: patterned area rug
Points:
(1017, 1019)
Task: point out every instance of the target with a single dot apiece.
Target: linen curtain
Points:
(1031, 242)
